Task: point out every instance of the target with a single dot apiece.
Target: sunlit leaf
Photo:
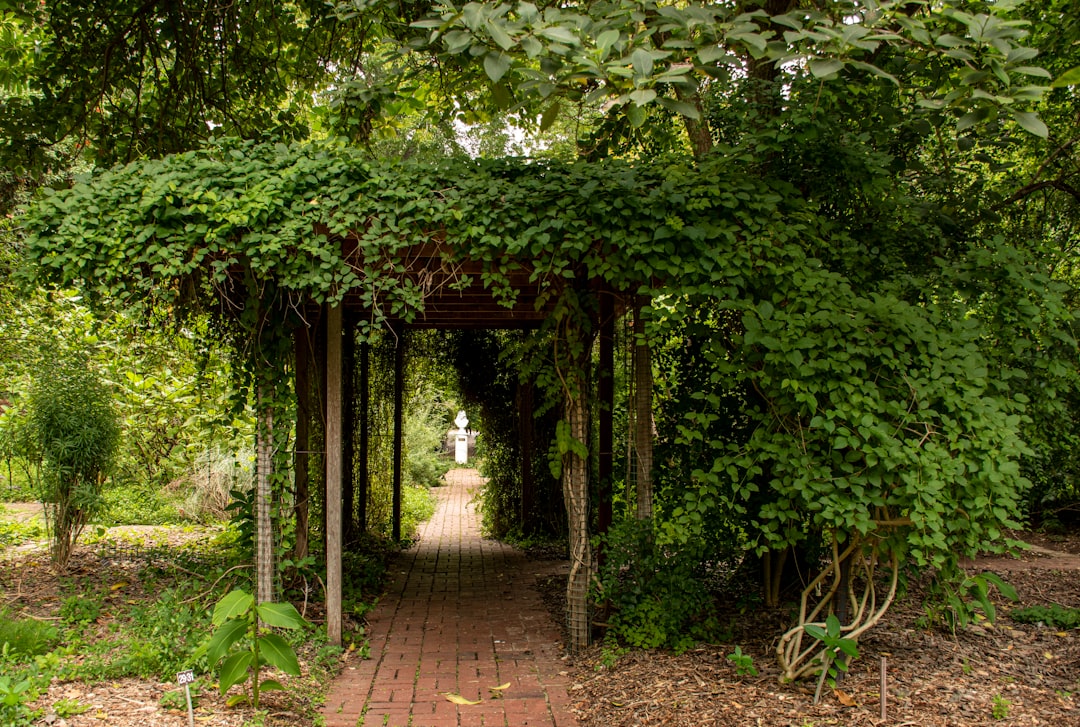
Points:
(458, 699)
(1070, 77)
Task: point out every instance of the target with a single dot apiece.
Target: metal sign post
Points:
(185, 678)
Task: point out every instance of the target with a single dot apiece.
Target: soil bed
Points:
(1003, 674)
(130, 568)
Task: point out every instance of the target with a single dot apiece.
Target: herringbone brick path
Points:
(460, 616)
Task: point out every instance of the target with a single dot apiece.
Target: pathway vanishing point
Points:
(461, 615)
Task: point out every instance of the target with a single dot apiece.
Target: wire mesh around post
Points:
(576, 494)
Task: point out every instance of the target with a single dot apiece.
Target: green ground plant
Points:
(26, 637)
(744, 663)
(1054, 615)
(242, 643)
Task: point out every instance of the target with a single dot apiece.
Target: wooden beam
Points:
(334, 467)
(399, 430)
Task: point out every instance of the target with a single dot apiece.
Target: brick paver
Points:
(460, 616)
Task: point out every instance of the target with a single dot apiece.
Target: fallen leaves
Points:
(458, 699)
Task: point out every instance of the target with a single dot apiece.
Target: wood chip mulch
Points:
(1007, 674)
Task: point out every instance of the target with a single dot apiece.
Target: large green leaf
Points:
(1031, 123)
(496, 65)
(232, 604)
(226, 635)
(1070, 77)
(277, 652)
(234, 670)
(281, 615)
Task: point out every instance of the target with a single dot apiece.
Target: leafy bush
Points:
(417, 505)
(656, 595)
(76, 430)
(80, 609)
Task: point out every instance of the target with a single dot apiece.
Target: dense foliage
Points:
(858, 246)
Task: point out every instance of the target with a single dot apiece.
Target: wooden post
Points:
(333, 473)
(399, 430)
(302, 387)
(348, 430)
(363, 479)
(606, 394)
(643, 421)
(319, 370)
(525, 449)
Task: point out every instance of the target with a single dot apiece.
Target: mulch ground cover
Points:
(1006, 673)
(1003, 674)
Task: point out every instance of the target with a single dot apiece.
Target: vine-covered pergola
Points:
(264, 233)
(871, 421)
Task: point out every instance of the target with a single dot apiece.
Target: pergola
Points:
(267, 232)
(453, 299)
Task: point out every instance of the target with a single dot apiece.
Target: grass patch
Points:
(26, 637)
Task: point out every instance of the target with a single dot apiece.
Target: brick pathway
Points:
(460, 616)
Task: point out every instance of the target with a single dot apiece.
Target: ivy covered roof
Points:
(241, 222)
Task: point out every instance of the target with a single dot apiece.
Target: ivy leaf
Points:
(1031, 123)
(496, 65)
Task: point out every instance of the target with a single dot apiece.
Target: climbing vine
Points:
(867, 409)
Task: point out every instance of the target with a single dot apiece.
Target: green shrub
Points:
(656, 595)
(80, 609)
(417, 505)
(17, 533)
(76, 429)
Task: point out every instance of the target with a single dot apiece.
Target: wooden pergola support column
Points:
(348, 430)
(363, 474)
(606, 394)
(334, 471)
(301, 480)
(525, 448)
(399, 430)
